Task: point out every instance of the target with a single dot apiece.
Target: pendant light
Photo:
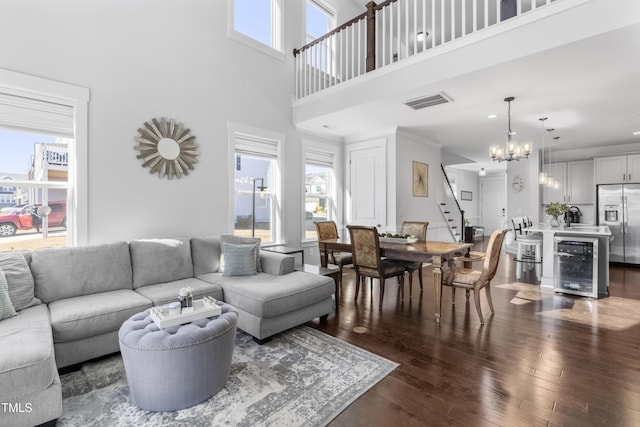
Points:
(512, 150)
(542, 176)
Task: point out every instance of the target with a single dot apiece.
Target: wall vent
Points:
(428, 101)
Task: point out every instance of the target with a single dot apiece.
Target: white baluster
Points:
(433, 23)
(390, 7)
(424, 25)
(442, 23)
(399, 29)
(486, 13)
(475, 15)
(453, 20)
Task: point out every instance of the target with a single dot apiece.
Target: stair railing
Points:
(447, 213)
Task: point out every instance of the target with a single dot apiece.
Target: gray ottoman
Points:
(174, 368)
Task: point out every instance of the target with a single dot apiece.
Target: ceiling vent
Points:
(428, 101)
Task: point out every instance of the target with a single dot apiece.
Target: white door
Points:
(367, 184)
(493, 203)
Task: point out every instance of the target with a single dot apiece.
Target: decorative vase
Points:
(554, 221)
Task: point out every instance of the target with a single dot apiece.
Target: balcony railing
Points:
(47, 157)
(392, 31)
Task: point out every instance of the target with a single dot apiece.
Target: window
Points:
(43, 140)
(319, 189)
(256, 207)
(320, 20)
(259, 20)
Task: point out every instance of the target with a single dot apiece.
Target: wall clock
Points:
(518, 183)
(166, 148)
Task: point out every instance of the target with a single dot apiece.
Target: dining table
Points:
(440, 254)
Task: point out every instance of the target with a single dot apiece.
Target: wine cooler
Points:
(576, 265)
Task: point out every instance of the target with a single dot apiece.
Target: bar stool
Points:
(529, 244)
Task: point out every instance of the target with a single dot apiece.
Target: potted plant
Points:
(555, 209)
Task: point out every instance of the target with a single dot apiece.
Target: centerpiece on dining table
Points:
(403, 239)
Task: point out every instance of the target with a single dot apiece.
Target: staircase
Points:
(450, 208)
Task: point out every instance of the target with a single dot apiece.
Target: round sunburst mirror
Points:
(166, 148)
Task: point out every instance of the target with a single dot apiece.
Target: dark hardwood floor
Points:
(543, 359)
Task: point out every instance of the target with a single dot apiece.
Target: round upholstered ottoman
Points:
(177, 367)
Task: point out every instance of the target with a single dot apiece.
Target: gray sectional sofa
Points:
(71, 303)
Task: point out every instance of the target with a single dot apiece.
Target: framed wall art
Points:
(466, 195)
(420, 179)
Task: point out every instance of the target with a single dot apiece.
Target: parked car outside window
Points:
(26, 218)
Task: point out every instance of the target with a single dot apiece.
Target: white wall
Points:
(160, 58)
(527, 201)
(409, 148)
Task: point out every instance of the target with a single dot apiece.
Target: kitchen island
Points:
(577, 231)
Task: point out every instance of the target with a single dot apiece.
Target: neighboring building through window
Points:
(256, 186)
(319, 189)
(260, 20)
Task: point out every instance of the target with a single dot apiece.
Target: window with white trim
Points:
(40, 121)
(319, 189)
(260, 20)
(320, 19)
(256, 187)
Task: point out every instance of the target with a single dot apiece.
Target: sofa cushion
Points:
(237, 240)
(27, 361)
(19, 279)
(89, 315)
(61, 273)
(266, 295)
(164, 293)
(206, 252)
(6, 306)
(240, 260)
(160, 261)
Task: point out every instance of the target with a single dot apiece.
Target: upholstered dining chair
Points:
(367, 260)
(475, 280)
(329, 230)
(418, 229)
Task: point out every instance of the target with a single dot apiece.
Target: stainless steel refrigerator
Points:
(619, 209)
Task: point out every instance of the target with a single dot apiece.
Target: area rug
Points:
(302, 377)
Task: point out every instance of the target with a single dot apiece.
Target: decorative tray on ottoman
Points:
(202, 308)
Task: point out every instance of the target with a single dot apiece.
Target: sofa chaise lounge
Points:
(71, 302)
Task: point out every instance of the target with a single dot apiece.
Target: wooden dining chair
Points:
(474, 280)
(329, 230)
(419, 230)
(367, 260)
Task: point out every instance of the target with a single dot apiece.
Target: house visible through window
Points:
(256, 187)
(260, 20)
(38, 164)
(319, 188)
(38, 147)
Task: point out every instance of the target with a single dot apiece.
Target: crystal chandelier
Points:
(512, 150)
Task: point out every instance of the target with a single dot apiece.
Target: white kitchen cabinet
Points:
(575, 180)
(580, 185)
(618, 169)
(559, 172)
